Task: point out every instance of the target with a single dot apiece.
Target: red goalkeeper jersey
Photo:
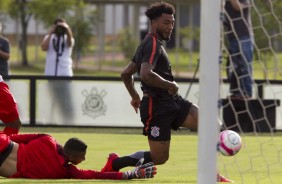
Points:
(40, 156)
(8, 105)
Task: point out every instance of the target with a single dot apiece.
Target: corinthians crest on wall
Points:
(94, 105)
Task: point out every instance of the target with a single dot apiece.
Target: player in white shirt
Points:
(58, 44)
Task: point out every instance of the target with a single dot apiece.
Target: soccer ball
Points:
(229, 143)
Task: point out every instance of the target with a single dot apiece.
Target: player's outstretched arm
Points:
(144, 171)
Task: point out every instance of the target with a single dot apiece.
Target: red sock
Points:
(9, 130)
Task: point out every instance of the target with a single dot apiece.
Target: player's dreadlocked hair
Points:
(158, 8)
(74, 146)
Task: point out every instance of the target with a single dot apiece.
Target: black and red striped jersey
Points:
(151, 50)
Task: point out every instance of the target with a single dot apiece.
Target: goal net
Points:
(241, 90)
(255, 116)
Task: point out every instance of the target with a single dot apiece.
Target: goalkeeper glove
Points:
(147, 170)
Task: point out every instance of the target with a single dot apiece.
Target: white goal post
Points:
(209, 91)
(259, 160)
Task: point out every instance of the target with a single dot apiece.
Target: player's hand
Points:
(52, 29)
(148, 170)
(173, 89)
(135, 104)
(63, 24)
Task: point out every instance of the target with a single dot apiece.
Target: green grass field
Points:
(257, 162)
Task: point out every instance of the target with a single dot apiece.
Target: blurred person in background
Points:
(40, 156)
(4, 53)
(58, 44)
(239, 34)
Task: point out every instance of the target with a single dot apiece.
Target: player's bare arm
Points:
(68, 32)
(45, 42)
(128, 79)
(153, 79)
(15, 124)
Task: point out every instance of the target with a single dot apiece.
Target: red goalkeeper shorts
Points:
(8, 105)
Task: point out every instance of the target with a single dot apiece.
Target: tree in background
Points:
(127, 42)
(81, 17)
(73, 11)
(83, 23)
(19, 10)
(191, 37)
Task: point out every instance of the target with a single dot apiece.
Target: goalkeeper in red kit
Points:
(40, 156)
(9, 114)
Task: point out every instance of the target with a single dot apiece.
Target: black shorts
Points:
(159, 116)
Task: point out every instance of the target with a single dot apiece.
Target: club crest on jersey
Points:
(155, 131)
(94, 105)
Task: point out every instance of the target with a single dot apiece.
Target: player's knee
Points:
(161, 159)
(195, 123)
(194, 117)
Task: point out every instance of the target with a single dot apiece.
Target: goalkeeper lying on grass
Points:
(40, 156)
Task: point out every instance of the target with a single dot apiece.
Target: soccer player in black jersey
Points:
(161, 108)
